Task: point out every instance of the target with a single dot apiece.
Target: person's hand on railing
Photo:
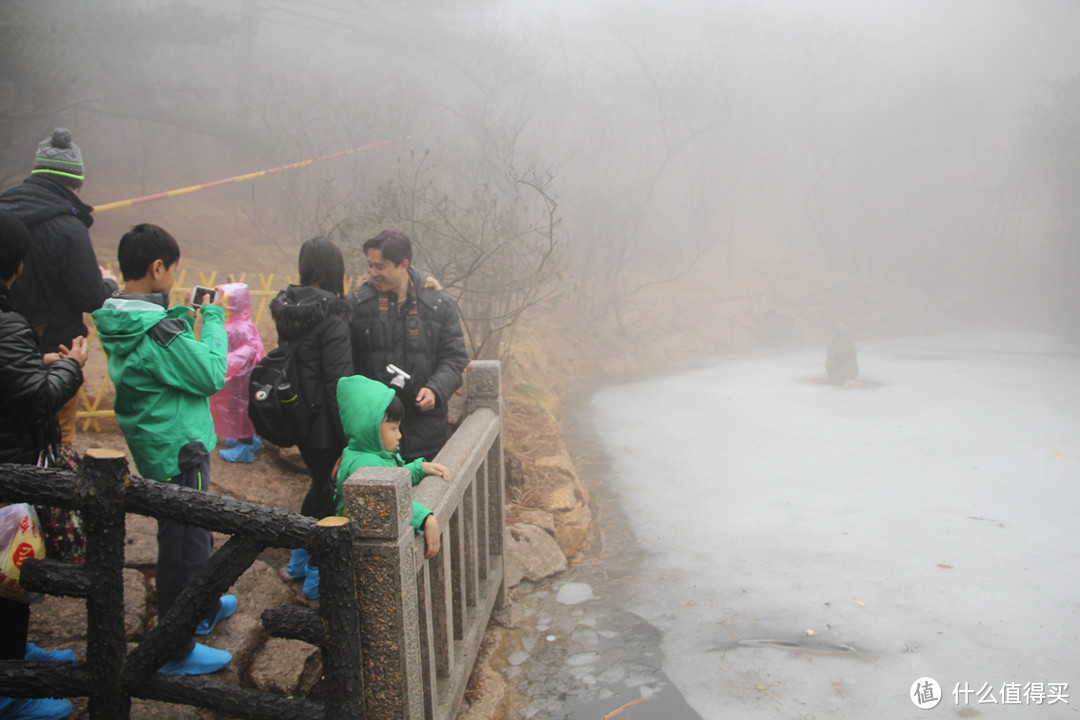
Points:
(436, 469)
(432, 536)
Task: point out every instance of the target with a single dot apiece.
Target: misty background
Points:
(577, 152)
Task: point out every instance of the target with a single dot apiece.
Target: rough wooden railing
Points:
(421, 622)
(104, 491)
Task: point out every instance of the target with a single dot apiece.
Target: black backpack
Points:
(275, 407)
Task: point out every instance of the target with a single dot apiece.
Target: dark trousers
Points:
(182, 550)
(14, 626)
(319, 501)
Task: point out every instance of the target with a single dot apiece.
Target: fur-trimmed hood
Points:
(427, 282)
(300, 308)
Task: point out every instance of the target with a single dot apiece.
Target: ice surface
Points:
(929, 523)
(574, 593)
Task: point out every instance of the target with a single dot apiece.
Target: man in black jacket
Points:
(61, 279)
(32, 388)
(402, 317)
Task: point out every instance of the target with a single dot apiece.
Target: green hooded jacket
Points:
(363, 404)
(164, 378)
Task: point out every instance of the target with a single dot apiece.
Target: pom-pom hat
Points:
(59, 157)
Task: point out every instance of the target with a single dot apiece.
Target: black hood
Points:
(40, 198)
(300, 308)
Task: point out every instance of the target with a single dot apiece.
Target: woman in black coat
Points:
(313, 319)
(32, 388)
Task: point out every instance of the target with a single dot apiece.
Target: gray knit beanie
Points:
(59, 157)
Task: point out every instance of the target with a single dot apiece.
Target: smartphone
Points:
(200, 294)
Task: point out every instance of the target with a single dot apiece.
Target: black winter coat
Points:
(434, 355)
(30, 393)
(61, 279)
(317, 321)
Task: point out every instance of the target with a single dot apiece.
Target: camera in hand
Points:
(400, 377)
(200, 295)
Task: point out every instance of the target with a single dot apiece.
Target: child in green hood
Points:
(371, 416)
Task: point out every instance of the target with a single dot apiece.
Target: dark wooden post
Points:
(332, 551)
(102, 482)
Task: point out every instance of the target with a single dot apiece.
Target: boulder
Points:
(140, 541)
(286, 667)
(531, 554)
(136, 603)
(540, 518)
(63, 619)
(242, 635)
(262, 587)
(571, 539)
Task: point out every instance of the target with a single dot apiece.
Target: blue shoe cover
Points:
(311, 583)
(240, 453)
(203, 660)
(34, 709)
(225, 609)
(231, 442)
(298, 564)
(33, 652)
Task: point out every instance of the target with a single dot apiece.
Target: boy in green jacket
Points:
(371, 415)
(164, 374)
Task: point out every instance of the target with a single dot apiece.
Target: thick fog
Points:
(929, 144)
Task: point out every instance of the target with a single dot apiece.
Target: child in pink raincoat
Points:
(230, 406)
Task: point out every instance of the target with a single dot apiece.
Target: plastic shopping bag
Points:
(20, 538)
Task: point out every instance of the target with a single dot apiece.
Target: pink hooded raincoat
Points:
(230, 406)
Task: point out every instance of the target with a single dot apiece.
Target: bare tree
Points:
(496, 253)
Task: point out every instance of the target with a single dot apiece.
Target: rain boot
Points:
(33, 652)
(311, 583)
(298, 564)
(34, 709)
(226, 607)
(202, 660)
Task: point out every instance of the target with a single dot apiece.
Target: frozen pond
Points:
(799, 550)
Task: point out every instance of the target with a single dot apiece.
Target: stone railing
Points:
(398, 634)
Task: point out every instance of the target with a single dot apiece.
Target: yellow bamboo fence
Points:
(95, 395)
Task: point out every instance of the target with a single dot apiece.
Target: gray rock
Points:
(242, 635)
(261, 587)
(140, 541)
(531, 554)
(136, 599)
(286, 667)
(63, 619)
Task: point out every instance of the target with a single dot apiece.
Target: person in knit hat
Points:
(61, 278)
(58, 157)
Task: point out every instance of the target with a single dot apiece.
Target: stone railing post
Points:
(484, 390)
(379, 502)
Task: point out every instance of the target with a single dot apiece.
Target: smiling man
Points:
(401, 316)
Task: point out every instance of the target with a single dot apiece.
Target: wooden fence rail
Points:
(398, 635)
